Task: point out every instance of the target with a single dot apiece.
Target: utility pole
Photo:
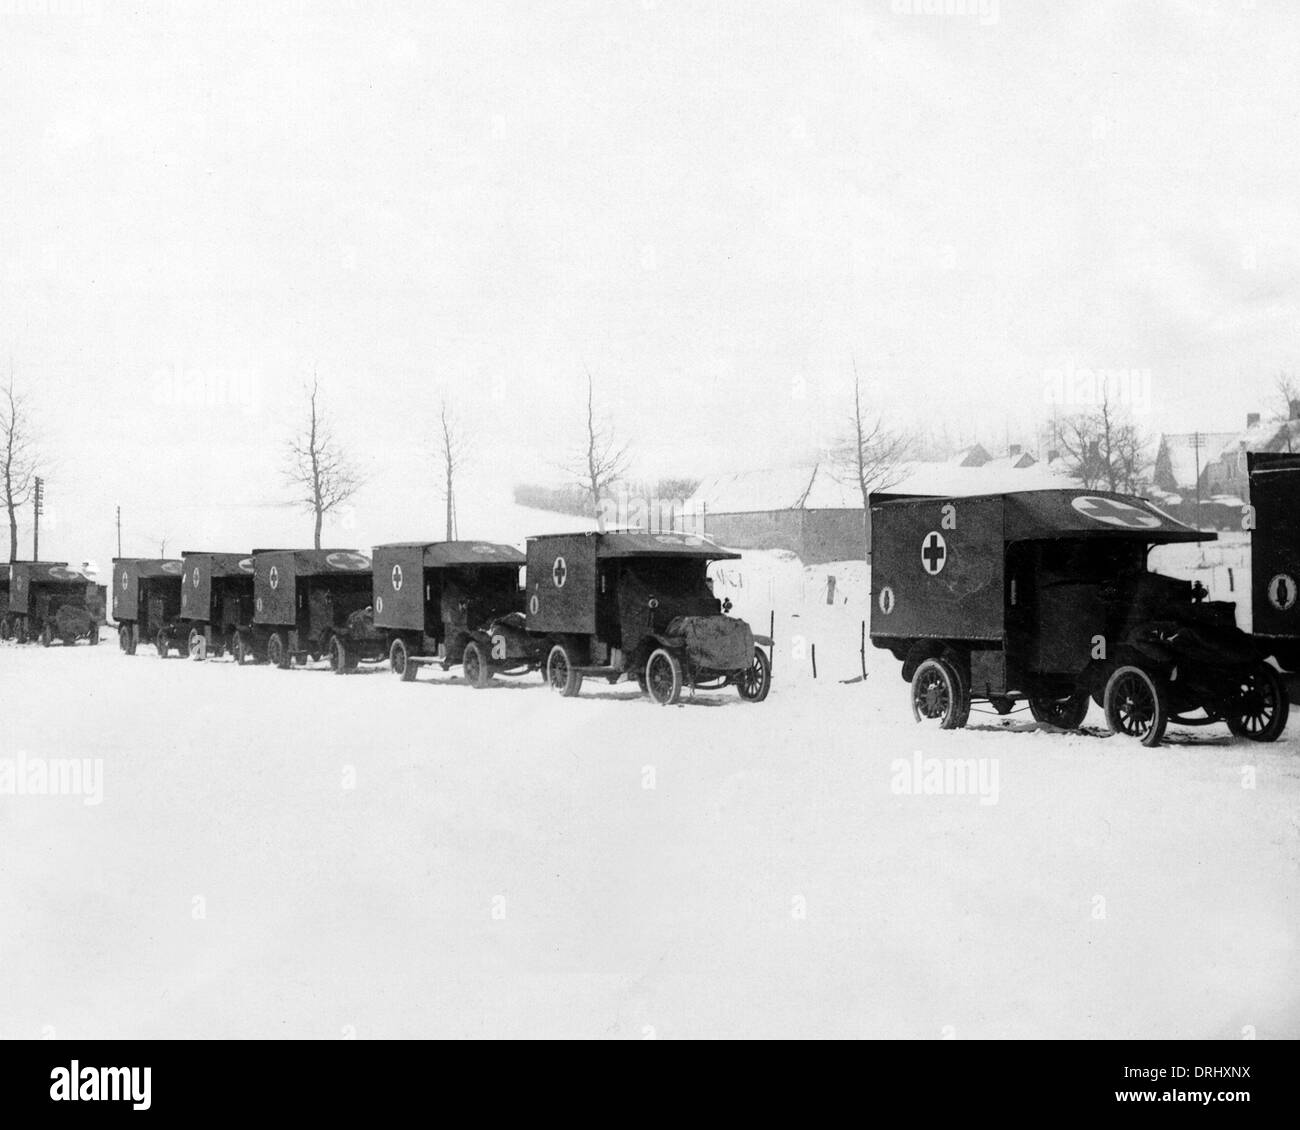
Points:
(119, 531)
(38, 506)
(1196, 448)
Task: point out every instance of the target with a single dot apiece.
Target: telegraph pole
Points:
(38, 506)
(119, 531)
(1196, 447)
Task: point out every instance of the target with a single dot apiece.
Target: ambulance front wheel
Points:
(663, 677)
(1137, 705)
(756, 680)
(474, 664)
(939, 695)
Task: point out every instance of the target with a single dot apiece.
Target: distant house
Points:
(973, 456)
(808, 511)
(1201, 477)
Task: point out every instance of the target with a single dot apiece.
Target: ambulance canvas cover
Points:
(399, 587)
(937, 569)
(562, 580)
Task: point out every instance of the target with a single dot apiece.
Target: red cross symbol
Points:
(559, 572)
(934, 554)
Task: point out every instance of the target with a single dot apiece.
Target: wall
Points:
(816, 536)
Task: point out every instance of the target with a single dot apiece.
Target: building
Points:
(1200, 477)
(807, 510)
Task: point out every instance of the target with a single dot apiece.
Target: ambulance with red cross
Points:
(1044, 600)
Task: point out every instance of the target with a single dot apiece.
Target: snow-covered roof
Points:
(800, 486)
(972, 456)
(996, 477)
(816, 488)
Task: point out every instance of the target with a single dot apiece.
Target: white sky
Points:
(714, 206)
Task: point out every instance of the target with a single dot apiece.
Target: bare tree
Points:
(1288, 393)
(17, 457)
(1104, 450)
(871, 455)
(604, 461)
(318, 468)
(453, 447)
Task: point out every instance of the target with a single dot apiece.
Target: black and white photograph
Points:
(650, 520)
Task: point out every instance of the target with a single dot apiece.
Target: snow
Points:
(397, 860)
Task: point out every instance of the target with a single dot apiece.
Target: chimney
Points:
(1295, 409)
(1252, 420)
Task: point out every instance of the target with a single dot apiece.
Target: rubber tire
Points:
(399, 659)
(47, 636)
(764, 678)
(474, 664)
(160, 642)
(669, 693)
(196, 646)
(6, 629)
(1277, 722)
(1063, 713)
(276, 652)
(341, 660)
(1160, 707)
(956, 710)
(21, 633)
(572, 681)
(239, 649)
(93, 637)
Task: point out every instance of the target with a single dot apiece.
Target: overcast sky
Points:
(714, 207)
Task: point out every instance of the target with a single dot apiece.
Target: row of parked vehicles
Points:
(1046, 598)
(619, 605)
(1042, 598)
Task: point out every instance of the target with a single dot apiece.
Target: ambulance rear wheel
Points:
(475, 666)
(6, 629)
(1065, 713)
(22, 634)
(399, 659)
(197, 645)
(47, 636)
(239, 649)
(160, 642)
(1136, 706)
(756, 680)
(939, 695)
(93, 637)
(276, 653)
(560, 674)
(663, 677)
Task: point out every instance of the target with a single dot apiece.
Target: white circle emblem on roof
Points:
(1113, 512)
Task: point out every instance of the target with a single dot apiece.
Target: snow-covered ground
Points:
(297, 854)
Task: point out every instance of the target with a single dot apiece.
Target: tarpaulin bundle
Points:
(719, 643)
